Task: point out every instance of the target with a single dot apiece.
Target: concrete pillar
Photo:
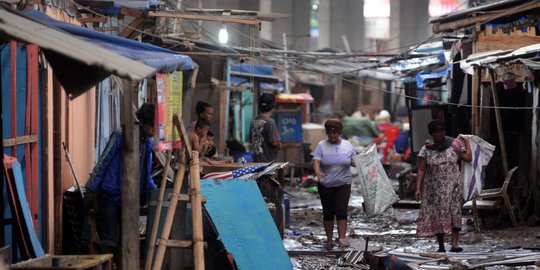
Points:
(296, 26)
(239, 35)
(266, 27)
(338, 19)
(409, 23)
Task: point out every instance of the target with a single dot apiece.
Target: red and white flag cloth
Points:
(236, 173)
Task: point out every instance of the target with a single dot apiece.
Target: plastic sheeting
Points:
(161, 59)
(244, 224)
(473, 173)
(376, 188)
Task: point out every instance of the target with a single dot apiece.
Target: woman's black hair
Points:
(200, 107)
(202, 122)
(145, 114)
(436, 125)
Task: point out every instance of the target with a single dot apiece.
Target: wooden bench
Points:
(67, 262)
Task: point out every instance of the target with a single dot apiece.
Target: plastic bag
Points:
(376, 188)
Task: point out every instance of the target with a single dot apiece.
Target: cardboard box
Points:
(313, 133)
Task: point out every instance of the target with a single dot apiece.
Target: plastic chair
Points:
(480, 202)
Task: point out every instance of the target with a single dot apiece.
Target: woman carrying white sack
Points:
(332, 159)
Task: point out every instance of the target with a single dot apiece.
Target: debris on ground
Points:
(392, 239)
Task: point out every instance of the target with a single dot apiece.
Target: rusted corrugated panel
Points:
(18, 27)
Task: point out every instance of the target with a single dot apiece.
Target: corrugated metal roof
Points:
(18, 27)
(494, 57)
(460, 14)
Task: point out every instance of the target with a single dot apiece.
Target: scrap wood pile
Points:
(470, 260)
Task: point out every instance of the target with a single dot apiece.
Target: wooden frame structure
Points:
(191, 159)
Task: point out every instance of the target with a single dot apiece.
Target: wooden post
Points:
(157, 215)
(166, 231)
(130, 181)
(196, 207)
(502, 141)
(474, 101)
(223, 111)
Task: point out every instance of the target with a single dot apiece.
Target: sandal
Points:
(456, 249)
(329, 246)
(343, 242)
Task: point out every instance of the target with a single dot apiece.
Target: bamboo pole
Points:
(196, 207)
(157, 215)
(167, 225)
(498, 119)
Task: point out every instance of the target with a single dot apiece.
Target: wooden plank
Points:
(92, 20)
(316, 252)
(131, 30)
(223, 111)
(95, 4)
(498, 119)
(495, 42)
(107, 29)
(129, 252)
(186, 198)
(228, 19)
(20, 140)
(177, 243)
(132, 12)
(474, 101)
(518, 69)
(74, 262)
(184, 136)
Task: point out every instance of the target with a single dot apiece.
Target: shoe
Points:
(441, 250)
(456, 249)
(343, 242)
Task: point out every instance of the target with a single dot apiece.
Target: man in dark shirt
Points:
(106, 179)
(264, 136)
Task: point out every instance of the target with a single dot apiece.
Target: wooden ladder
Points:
(190, 159)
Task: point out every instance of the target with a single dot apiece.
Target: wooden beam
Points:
(92, 20)
(95, 4)
(20, 140)
(106, 28)
(228, 19)
(129, 252)
(186, 198)
(129, 31)
(474, 101)
(223, 110)
(458, 24)
(177, 243)
(132, 12)
(498, 119)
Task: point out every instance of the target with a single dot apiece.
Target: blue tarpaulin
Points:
(424, 75)
(244, 224)
(161, 59)
(255, 70)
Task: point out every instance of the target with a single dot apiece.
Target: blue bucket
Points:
(238, 155)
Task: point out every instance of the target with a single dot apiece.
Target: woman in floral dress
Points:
(438, 186)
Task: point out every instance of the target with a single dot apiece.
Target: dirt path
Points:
(392, 231)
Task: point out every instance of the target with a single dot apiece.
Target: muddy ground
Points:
(392, 231)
